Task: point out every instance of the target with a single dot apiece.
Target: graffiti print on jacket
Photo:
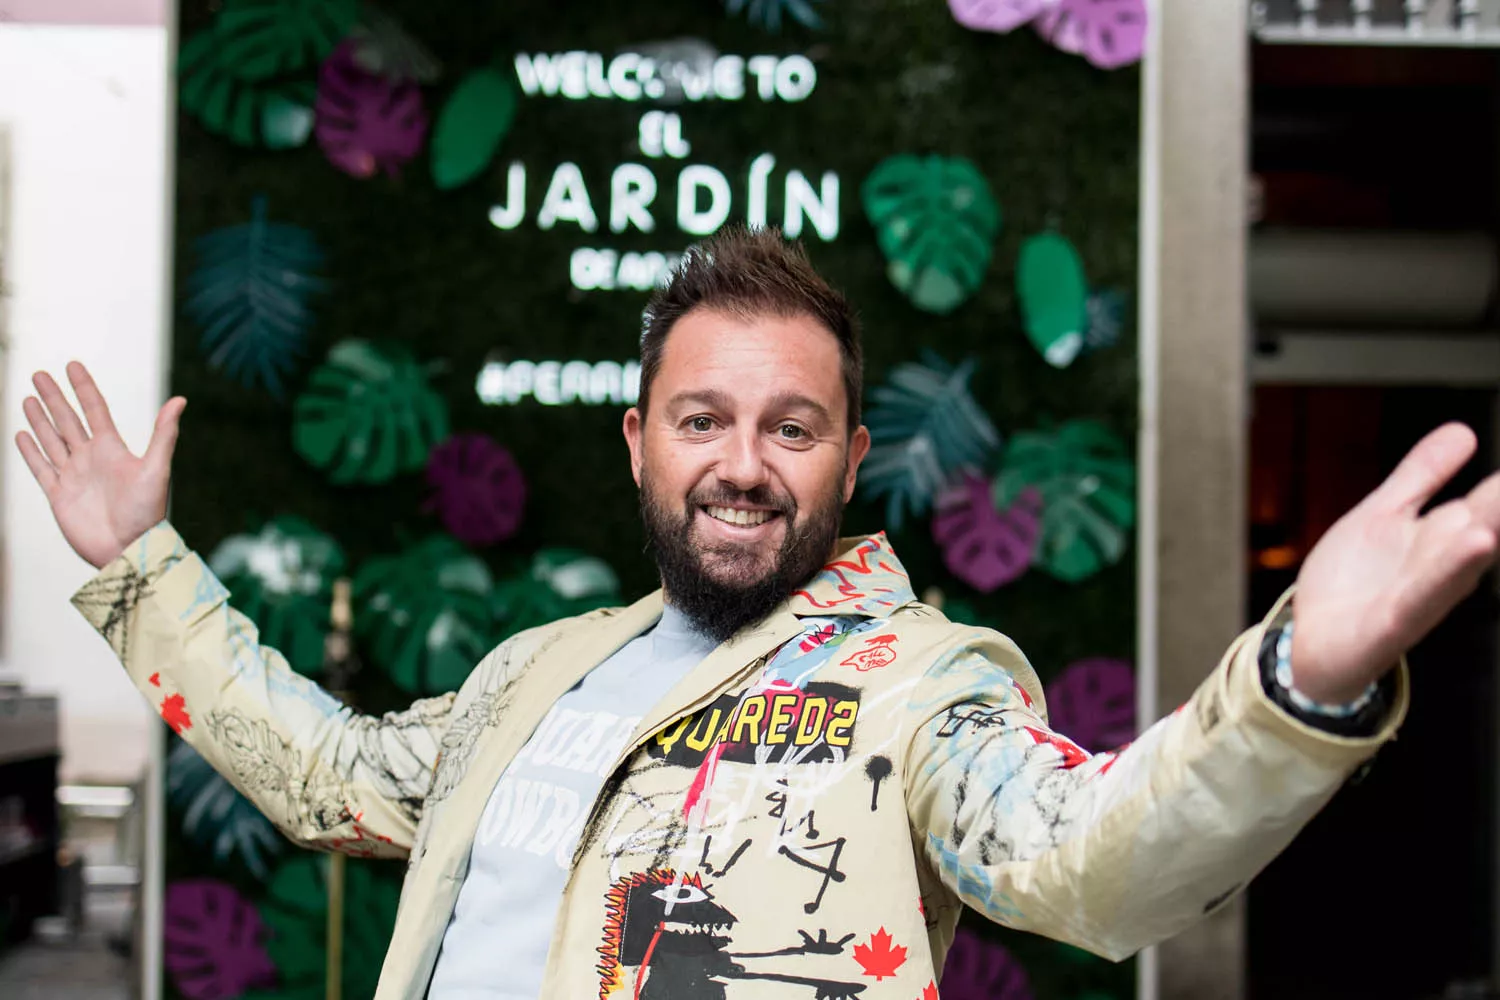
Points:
(815, 721)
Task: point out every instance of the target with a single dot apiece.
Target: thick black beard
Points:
(719, 609)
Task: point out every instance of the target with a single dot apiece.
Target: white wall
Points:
(87, 113)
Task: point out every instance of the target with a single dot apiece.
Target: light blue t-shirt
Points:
(495, 947)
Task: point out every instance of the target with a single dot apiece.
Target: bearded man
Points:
(781, 775)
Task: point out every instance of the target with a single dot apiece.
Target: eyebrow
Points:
(715, 399)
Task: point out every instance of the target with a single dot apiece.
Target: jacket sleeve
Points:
(325, 775)
(1115, 851)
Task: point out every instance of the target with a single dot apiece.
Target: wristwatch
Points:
(1360, 717)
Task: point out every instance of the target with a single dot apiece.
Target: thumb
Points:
(164, 434)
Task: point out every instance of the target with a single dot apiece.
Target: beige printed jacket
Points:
(802, 816)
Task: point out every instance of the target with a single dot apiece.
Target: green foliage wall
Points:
(1056, 139)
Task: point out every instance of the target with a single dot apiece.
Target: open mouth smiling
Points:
(738, 517)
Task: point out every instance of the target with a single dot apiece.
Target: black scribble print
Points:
(1221, 899)
(269, 770)
(1209, 711)
(396, 770)
(803, 855)
(461, 740)
(961, 718)
(1052, 794)
(121, 595)
(821, 945)
(877, 769)
(993, 850)
(709, 869)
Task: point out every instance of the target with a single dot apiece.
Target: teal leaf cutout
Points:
(471, 126)
(215, 816)
(249, 298)
(1087, 482)
(924, 428)
(368, 414)
(936, 222)
(766, 14)
(1054, 295)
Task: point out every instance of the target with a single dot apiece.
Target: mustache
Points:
(758, 496)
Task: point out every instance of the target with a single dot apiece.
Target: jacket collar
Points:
(865, 578)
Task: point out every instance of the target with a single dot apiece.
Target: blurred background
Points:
(1153, 291)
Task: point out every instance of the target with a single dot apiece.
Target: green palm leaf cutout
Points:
(559, 583)
(1087, 483)
(368, 414)
(276, 113)
(215, 816)
(936, 222)
(924, 427)
(471, 125)
(262, 39)
(384, 48)
(1054, 295)
(282, 579)
(427, 613)
(766, 14)
(249, 297)
(296, 910)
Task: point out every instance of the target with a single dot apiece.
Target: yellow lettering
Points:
(812, 721)
(703, 733)
(750, 715)
(668, 741)
(781, 717)
(841, 722)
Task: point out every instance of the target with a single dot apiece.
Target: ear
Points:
(859, 447)
(633, 441)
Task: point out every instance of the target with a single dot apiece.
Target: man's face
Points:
(744, 462)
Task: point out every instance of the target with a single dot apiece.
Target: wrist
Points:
(1296, 672)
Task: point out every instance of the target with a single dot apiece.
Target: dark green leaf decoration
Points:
(924, 427)
(471, 125)
(250, 77)
(1087, 482)
(282, 578)
(559, 583)
(766, 14)
(215, 816)
(936, 222)
(428, 614)
(249, 298)
(1054, 295)
(368, 414)
(296, 910)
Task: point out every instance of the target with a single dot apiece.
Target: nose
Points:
(742, 465)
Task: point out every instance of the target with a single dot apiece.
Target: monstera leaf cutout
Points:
(1087, 483)
(559, 583)
(477, 487)
(427, 613)
(1106, 319)
(980, 969)
(296, 910)
(1108, 33)
(368, 414)
(1092, 702)
(936, 222)
(213, 942)
(215, 816)
(383, 47)
(924, 428)
(1054, 295)
(282, 579)
(249, 298)
(984, 547)
(249, 76)
(995, 15)
(766, 14)
(470, 127)
(366, 122)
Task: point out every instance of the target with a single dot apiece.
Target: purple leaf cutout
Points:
(364, 121)
(996, 15)
(1093, 702)
(212, 938)
(1108, 33)
(977, 969)
(982, 546)
(478, 490)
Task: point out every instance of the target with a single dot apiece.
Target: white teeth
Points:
(732, 516)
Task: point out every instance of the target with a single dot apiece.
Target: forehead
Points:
(751, 358)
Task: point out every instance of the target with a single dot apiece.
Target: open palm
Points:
(1385, 574)
(103, 496)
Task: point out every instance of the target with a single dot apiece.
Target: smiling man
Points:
(780, 775)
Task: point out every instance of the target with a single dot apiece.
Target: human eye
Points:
(792, 432)
(700, 424)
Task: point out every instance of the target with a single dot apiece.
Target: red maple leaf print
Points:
(1073, 754)
(930, 992)
(155, 679)
(878, 958)
(174, 713)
